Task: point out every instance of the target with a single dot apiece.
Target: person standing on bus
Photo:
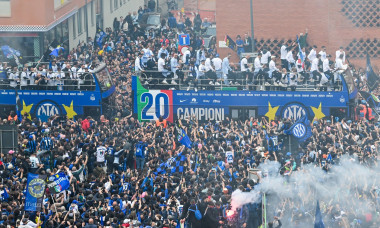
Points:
(162, 70)
(340, 67)
(138, 63)
(174, 64)
(14, 77)
(226, 68)
(274, 71)
(217, 62)
(192, 76)
(265, 57)
(314, 69)
(290, 59)
(201, 72)
(244, 69)
(258, 69)
(284, 52)
(24, 78)
(326, 68)
(338, 54)
(210, 71)
(201, 54)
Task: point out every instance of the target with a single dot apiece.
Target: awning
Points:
(37, 28)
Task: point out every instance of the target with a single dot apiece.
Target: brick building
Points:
(353, 24)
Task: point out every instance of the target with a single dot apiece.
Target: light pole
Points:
(252, 33)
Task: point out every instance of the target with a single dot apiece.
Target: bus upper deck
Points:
(239, 101)
(44, 94)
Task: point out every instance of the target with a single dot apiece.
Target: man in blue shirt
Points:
(140, 154)
(240, 45)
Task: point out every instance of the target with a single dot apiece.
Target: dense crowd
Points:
(113, 161)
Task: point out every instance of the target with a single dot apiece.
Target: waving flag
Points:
(230, 42)
(373, 80)
(300, 51)
(183, 138)
(5, 195)
(372, 100)
(318, 223)
(99, 37)
(56, 50)
(301, 129)
(172, 165)
(58, 183)
(35, 190)
(10, 52)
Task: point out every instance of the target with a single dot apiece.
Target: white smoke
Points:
(346, 188)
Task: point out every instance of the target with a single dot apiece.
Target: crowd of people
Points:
(114, 162)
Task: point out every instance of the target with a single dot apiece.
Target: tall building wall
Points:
(353, 24)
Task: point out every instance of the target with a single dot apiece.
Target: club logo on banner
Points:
(299, 130)
(35, 190)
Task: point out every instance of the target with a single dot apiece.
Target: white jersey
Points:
(100, 153)
(34, 162)
(230, 157)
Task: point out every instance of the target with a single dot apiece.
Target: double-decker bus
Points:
(72, 97)
(216, 105)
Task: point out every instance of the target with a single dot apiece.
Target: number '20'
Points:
(156, 103)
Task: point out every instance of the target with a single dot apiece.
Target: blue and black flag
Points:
(230, 42)
(301, 129)
(172, 165)
(18, 107)
(35, 190)
(373, 80)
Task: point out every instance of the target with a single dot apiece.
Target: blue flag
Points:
(3, 75)
(58, 183)
(9, 52)
(373, 80)
(56, 50)
(172, 165)
(100, 35)
(300, 50)
(35, 190)
(318, 223)
(301, 129)
(183, 138)
(5, 195)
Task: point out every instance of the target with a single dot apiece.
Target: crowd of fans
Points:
(112, 162)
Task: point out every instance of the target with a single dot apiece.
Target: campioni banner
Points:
(58, 183)
(35, 190)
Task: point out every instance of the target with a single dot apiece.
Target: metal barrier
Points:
(60, 85)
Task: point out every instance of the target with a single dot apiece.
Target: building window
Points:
(80, 21)
(111, 6)
(74, 27)
(92, 14)
(5, 8)
(116, 4)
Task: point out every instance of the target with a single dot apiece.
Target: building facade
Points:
(30, 26)
(352, 24)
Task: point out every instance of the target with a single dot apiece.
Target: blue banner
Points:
(35, 190)
(58, 183)
(301, 129)
(183, 138)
